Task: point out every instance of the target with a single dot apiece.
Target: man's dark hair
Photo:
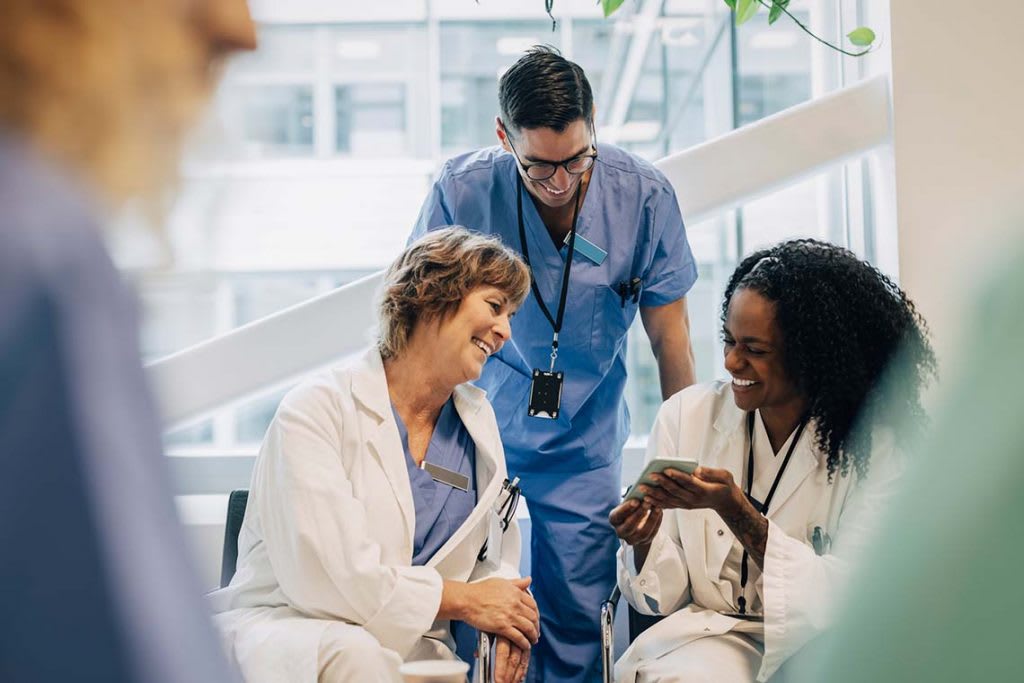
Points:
(544, 90)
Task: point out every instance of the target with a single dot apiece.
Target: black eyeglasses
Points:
(542, 170)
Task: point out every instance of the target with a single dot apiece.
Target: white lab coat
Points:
(328, 531)
(682, 575)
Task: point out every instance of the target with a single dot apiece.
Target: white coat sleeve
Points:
(803, 589)
(326, 563)
(663, 584)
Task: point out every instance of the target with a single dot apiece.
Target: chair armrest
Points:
(483, 662)
(608, 634)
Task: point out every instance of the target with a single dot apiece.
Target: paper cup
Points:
(434, 671)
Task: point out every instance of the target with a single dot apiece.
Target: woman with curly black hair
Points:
(797, 454)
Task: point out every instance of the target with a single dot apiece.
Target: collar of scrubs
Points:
(440, 509)
(445, 448)
(566, 270)
(547, 257)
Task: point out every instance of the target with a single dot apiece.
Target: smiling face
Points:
(463, 341)
(538, 145)
(754, 356)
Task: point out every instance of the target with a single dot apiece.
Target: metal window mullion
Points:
(434, 74)
(325, 123)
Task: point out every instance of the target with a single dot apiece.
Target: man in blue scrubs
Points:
(629, 253)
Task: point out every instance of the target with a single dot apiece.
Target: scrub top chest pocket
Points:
(613, 315)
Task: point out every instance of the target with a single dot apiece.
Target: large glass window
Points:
(371, 119)
(321, 145)
(473, 56)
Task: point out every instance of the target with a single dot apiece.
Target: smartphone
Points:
(657, 466)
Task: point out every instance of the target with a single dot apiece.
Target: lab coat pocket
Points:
(612, 319)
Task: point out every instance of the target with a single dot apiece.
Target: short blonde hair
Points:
(434, 274)
(107, 87)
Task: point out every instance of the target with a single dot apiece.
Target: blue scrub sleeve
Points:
(673, 269)
(435, 212)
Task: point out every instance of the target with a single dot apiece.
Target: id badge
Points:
(587, 248)
(545, 394)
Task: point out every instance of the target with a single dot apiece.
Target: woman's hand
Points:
(634, 522)
(510, 662)
(707, 487)
(499, 606)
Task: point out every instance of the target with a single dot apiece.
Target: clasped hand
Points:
(505, 608)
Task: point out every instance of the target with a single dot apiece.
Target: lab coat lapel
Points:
(731, 453)
(468, 403)
(724, 454)
(801, 465)
(377, 424)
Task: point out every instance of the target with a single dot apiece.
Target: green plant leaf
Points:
(861, 37)
(609, 6)
(731, 4)
(745, 10)
(776, 11)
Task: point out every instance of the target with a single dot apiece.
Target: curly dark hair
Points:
(843, 323)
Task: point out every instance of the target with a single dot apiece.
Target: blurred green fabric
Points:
(941, 597)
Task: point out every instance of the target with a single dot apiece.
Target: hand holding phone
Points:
(657, 466)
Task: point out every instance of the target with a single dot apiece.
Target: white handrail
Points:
(711, 177)
(265, 352)
(734, 168)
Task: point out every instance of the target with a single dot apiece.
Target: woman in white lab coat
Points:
(748, 555)
(379, 483)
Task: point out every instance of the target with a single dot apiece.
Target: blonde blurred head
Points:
(110, 86)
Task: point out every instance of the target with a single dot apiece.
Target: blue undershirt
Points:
(440, 509)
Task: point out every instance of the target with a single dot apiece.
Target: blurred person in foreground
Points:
(95, 580)
(371, 522)
(949, 609)
(747, 555)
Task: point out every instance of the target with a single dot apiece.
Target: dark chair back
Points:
(638, 623)
(232, 525)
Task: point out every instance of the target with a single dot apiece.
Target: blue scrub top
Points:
(631, 212)
(440, 509)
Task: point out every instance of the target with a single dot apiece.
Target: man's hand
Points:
(510, 662)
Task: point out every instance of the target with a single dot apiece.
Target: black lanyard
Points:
(556, 321)
(761, 507)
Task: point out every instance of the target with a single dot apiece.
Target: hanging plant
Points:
(745, 10)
